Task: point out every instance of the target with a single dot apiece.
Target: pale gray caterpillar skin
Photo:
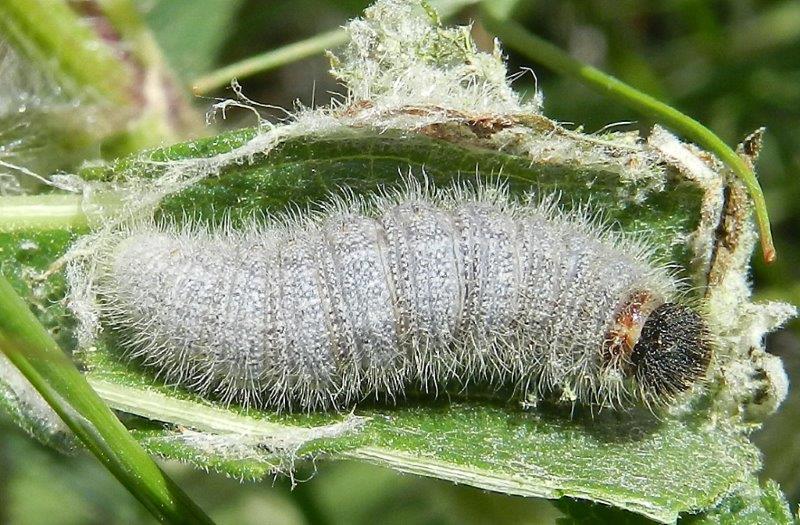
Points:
(425, 288)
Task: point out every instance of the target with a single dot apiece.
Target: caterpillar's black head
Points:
(672, 353)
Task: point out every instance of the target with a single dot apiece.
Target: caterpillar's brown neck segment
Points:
(626, 329)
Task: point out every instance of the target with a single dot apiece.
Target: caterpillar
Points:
(423, 289)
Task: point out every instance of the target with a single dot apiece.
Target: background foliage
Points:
(734, 65)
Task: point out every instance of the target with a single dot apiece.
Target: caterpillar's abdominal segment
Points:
(427, 288)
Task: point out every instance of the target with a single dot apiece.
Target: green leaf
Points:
(632, 461)
(658, 468)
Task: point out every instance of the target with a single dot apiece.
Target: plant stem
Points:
(270, 60)
(56, 211)
(42, 212)
(295, 51)
(30, 348)
(517, 37)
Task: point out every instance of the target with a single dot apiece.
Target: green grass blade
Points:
(32, 350)
(520, 39)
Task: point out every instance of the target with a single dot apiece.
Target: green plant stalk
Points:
(41, 212)
(293, 52)
(517, 37)
(32, 350)
(50, 32)
(54, 211)
(270, 60)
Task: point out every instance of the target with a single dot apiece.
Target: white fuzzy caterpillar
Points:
(425, 288)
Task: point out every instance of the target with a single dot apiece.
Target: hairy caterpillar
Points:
(427, 288)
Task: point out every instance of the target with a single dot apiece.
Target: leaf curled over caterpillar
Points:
(425, 288)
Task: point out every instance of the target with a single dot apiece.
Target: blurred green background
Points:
(732, 64)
